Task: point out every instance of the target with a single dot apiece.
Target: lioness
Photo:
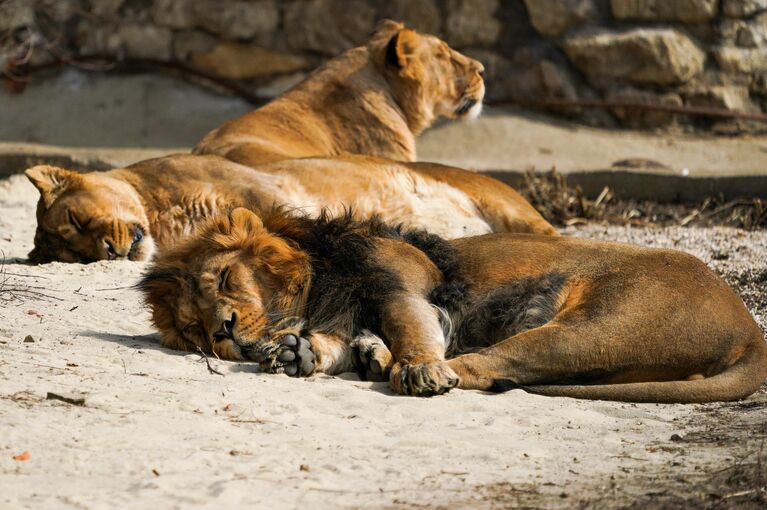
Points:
(556, 316)
(371, 100)
(128, 212)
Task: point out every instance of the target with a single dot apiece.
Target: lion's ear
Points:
(388, 26)
(289, 264)
(245, 223)
(50, 181)
(401, 47)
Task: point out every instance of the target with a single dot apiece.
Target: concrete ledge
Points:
(17, 157)
(652, 186)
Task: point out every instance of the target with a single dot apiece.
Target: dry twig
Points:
(204, 356)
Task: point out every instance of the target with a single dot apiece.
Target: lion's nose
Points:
(226, 332)
(113, 252)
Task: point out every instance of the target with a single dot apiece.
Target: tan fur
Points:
(639, 324)
(361, 102)
(168, 197)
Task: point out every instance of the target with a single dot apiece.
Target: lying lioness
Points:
(556, 316)
(371, 100)
(127, 212)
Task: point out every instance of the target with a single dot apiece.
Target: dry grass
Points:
(564, 205)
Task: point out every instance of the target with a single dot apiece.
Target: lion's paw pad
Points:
(294, 356)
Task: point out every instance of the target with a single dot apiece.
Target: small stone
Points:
(723, 97)
(145, 41)
(421, 15)
(676, 438)
(651, 56)
(237, 19)
(29, 339)
(472, 22)
(555, 17)
(741, 60)
(686, 11)
(241, 61)
(16, 14)
(191, 41)
(638, 118)
(174, 13)
(743, 8)
(304, 467)
(328, 27)
(107, 9)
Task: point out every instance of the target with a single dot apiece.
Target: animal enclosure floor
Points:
(108, 419)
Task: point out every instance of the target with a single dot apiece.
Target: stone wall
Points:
(699, 53)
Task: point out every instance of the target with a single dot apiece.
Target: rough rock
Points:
(241, 61)
(472, 22)
(686, 11)
(174, 13)
(543, 81)
(145, 41)
(238, 19)
(555, 17)
(58, 10)
(727, 97)
(421, 15)
(749, 33)
(15, 14)
(637, 118)
(647, 56)
(741, 60)
(106, 9)
(743, 8)
(191, 41)
(328, 26)
(129, 40)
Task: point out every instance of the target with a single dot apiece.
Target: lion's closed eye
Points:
(223, 280)
(74, 221)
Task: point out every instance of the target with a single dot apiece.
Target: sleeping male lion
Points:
(555, 316)
(371, 100)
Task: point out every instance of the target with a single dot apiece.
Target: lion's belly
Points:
(419, 203)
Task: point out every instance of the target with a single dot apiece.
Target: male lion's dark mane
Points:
(349, 288)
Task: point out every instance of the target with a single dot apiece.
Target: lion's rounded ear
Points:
(400, 48)
(388, 26)
(245, 221)
(50, 181)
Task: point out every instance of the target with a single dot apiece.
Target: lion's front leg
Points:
(372, 359)
(417, 346)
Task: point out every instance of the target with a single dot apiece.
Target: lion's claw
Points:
(423, 380)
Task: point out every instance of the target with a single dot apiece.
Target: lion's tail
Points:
(736, 382)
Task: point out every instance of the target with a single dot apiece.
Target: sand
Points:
(156, 429)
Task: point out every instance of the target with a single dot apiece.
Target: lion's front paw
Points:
(291, 355)
(423, 380)
(372, 358)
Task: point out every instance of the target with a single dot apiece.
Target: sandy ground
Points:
(155, 427)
